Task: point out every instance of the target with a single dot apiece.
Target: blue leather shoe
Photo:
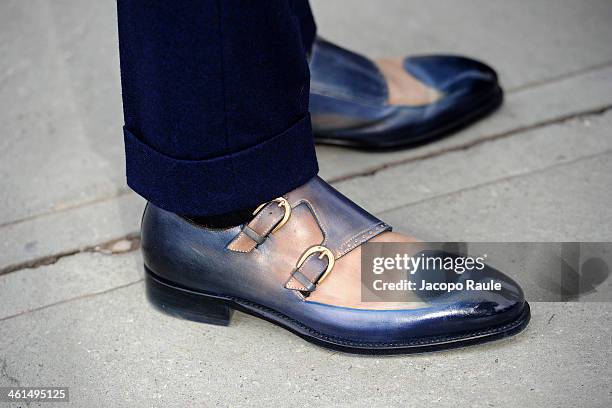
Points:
(297, 265)
(350, 98)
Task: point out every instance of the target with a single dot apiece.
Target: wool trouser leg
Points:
(215, 98)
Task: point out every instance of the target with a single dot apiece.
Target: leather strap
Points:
(257, 230)
(259, 239)
(306, 277)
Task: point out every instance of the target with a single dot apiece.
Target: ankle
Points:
(226, 220)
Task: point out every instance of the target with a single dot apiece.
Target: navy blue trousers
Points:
(215, 100)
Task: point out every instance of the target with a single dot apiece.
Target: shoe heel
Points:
(186, 304)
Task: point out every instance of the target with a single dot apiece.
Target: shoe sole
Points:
(207, 308)
(490, 104)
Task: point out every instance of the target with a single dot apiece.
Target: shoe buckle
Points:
(282, 202)
(324, 251)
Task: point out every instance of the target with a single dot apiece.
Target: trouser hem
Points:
(222, 184)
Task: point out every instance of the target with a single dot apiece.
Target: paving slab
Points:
(69, 278)
(60, 106)
(568, 202)
(117, 351)
(69, 231)
(524, 153)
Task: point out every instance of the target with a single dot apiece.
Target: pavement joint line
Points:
(560, 77)
(473, 143)
(499, 180)
(106, 248)
(122, 191)
(72, 299)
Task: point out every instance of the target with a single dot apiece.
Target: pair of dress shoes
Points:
(296, 263)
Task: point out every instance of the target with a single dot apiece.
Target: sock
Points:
(226, 220)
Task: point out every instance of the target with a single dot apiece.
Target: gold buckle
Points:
(282, 202)
(324, 252)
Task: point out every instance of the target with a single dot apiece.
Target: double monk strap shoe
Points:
(296, 264)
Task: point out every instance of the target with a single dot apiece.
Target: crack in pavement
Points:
(127, 243)
(5, 374)
(470, 144)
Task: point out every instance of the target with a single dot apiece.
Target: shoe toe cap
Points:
(448, 73)
(486, 298)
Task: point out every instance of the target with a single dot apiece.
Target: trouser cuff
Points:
(225, 183)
